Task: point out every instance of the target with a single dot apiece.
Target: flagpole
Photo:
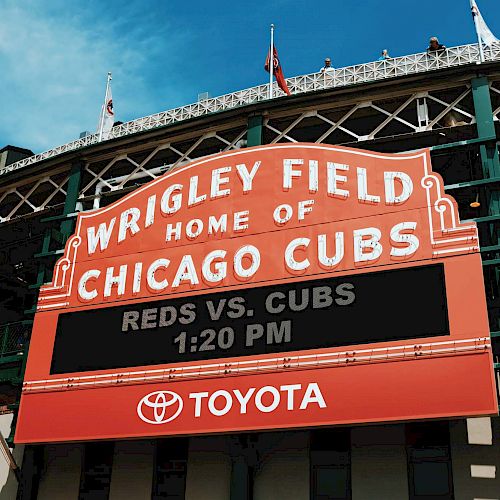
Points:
(475, 16)
(101, 125)
(271, 63)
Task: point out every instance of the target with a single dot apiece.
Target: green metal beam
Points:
(15, 358)
(494, 334)
(45, 248)
(486, 130)
(59, 217)
(461, 144)
(490, 162)
(72, 191)
(492, 248)
(482, 107)
(486, 218)
(58, 236)
(254, 130)
(478, 182)
(492, 262)
(35, 286)
(49, 253)
(11, 375)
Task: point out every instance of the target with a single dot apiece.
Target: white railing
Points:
(341, 77)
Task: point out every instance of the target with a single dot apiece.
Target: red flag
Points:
(278, 72)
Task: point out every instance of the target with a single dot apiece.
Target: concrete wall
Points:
(209, 469)
(60, 479)
(465, 455)
(132, 473)
(284, 467)
(378, 463)
(8, 482)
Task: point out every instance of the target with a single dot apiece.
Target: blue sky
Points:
(54, 54)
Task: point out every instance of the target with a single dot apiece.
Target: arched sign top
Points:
(250, 198)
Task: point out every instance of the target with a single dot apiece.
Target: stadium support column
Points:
(239, 478)
(243, 457)
(489, 152)
(254, 130)
(73, 189)
(30, 473)
(486, 128)
(485, 125)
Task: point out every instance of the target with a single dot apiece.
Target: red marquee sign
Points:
(271, 287)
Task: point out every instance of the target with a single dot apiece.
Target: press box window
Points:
(330, 456)
(96, 471)
(429, 461)
(170, 468)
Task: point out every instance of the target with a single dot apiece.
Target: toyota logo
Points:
(156, 404)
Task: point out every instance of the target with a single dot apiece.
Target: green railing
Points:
(14, 338)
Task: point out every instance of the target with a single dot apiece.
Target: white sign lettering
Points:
(161, 407)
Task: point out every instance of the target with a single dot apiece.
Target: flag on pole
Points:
(484, 33)
(107, 119)
(277, 70)
(109, 116)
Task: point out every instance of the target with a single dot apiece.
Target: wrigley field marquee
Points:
(279, 286)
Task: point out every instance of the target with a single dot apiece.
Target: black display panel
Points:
(336, 311)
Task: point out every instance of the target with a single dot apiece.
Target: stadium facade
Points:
(379, 382)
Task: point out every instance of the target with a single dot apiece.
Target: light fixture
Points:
(475, 203)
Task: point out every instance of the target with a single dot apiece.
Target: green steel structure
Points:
(452, 108)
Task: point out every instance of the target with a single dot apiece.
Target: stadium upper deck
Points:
(342, 77)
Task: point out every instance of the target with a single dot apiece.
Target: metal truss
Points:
(33, 196)
(372, 119)
(368, 120)
(102, 178)
(334, 123)
(121, 172)
(341, 77)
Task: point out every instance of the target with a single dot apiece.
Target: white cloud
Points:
(54, 61)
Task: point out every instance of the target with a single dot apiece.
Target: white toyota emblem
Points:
(155, 405)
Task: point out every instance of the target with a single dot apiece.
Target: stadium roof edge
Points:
(303, 87)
